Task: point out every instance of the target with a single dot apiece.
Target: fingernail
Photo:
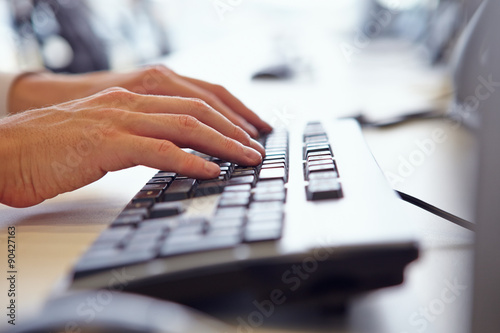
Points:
(257, 146)
(212, 169)
(253, 155)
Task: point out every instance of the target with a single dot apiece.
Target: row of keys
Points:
(320, 169)
(250, 209)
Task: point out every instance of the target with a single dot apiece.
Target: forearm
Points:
(36, 90)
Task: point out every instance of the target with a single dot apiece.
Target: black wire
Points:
(439, 212)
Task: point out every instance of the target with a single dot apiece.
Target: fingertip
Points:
(257, 146)
(265, 127)
(212, 170)
(253, 156)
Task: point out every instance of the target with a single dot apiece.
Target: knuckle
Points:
(114, 90)
(165, 147)
(117, 94)
(188, 121)
(158, 71)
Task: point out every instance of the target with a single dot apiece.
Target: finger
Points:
(201, 111)
(180, 87)
(234, 103)
(186, 131)
(162, 155)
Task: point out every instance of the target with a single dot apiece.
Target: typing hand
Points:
(60, 148)
(42, 89)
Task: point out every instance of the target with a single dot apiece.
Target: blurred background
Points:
(86, 35)
(325, 48)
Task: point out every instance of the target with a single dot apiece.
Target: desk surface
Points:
(436, 294)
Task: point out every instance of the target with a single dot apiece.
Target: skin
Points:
(72, 136)
(39, 90)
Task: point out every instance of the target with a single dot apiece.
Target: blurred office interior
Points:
(120, 34)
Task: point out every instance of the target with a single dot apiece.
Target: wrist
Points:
(39, 89)
(8, 171)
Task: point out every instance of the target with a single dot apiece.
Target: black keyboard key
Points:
(165, 180)
(270, 196)
(166, 209)
(164, 174)
(323, 153)
(265, 207)
(127, 220)
(238, 188)
(250, 180)
(323, 175)
(321, 168)
(209, 188)
(227, 231)
(225, 164)
(140, 204)
(225, 222)
(158, 225)
(320, 189)
(180, 189)
(241, 173)
(243, 168)
(143, 242)
(321, 148)
(156, 186)
(256, 217)
(150, 196)
(191, 229)
(191, 226)
(197, 243)
(317, 139)
(234, 199)
(277, 183)
(142, 237)
(144, 212)
(230, 213)
(273, 173)
(327, 157)
(275, 164)
(273, 161)
(320, 162)
(265, 230)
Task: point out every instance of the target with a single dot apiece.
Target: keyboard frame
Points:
(368, 247)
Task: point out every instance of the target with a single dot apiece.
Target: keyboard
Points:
(315, 216)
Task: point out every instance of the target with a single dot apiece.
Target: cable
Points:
(436, 211)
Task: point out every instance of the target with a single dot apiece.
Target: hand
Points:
(64, 147)
(42, 89)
